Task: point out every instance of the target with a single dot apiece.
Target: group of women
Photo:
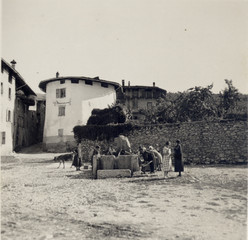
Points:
(166, 164)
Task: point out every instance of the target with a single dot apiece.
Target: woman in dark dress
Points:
(178, 157)
(76, 160)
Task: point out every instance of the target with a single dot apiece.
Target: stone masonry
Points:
(202, 142)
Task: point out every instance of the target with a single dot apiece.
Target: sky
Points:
(177, 44)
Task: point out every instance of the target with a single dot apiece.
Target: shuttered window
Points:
(8, 116)
(60, 93)
(9, 93)
(3, 137)
(61, 110)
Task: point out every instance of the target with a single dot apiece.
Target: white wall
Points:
(79, 101)
(6, 104)
(100, 102)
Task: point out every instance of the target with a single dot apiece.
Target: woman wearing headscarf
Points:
(158, 157)
(178, 157)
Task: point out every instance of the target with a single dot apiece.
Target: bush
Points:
(106, 116)
(101, 132)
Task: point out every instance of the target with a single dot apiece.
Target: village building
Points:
(40, 115)
(18, 124)
(69, 102)
(138, 98)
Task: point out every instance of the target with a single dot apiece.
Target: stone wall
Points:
(202, 142)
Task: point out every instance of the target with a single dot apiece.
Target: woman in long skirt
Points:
(77, 161)
(178, 156)
(166, 161)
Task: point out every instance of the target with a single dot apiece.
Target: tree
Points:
(197, 104)
(113, 114)
(229, 98)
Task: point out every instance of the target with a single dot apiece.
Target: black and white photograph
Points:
(124, 119)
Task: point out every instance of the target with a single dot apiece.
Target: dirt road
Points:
(42, 202)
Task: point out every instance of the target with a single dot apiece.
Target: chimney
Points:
(13, 63)
(128, 83)
(153, 84)
(57, 74)
(123, 83)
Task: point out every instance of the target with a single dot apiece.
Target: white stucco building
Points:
(7, 108)
(12, 106)
(69, 102)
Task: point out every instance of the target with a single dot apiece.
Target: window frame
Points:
(135, 93)
(60, 92)
(9, 93)
(61, 112)
(88, 82)
(148, 94)
(8, 115)
(3, 138)
(104, 85)
(10, 78)
(60, 132)
(75, 81)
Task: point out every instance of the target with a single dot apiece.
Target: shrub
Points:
(101, 132)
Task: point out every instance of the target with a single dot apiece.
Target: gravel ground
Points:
(40, 201)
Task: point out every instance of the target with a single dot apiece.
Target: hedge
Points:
(101, 132)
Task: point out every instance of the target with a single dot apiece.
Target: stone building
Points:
(18, 125)
(136, 98)
(69, 102)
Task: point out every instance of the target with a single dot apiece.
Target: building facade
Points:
(40, 115)
(69, 102)
(136, 98)
(16, 122)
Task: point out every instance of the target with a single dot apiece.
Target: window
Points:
(9, 93)
(157, 94)
(61, 110)
(1, 88)
(74, 81)
(60, 93)
(60, 132)
(62, 81)
(88, 82)
(10, 78)
(105, 85)
(149, 105)
(135, 93)
(8, 115)
(148, 94)
(143, 94)
(3, 137)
